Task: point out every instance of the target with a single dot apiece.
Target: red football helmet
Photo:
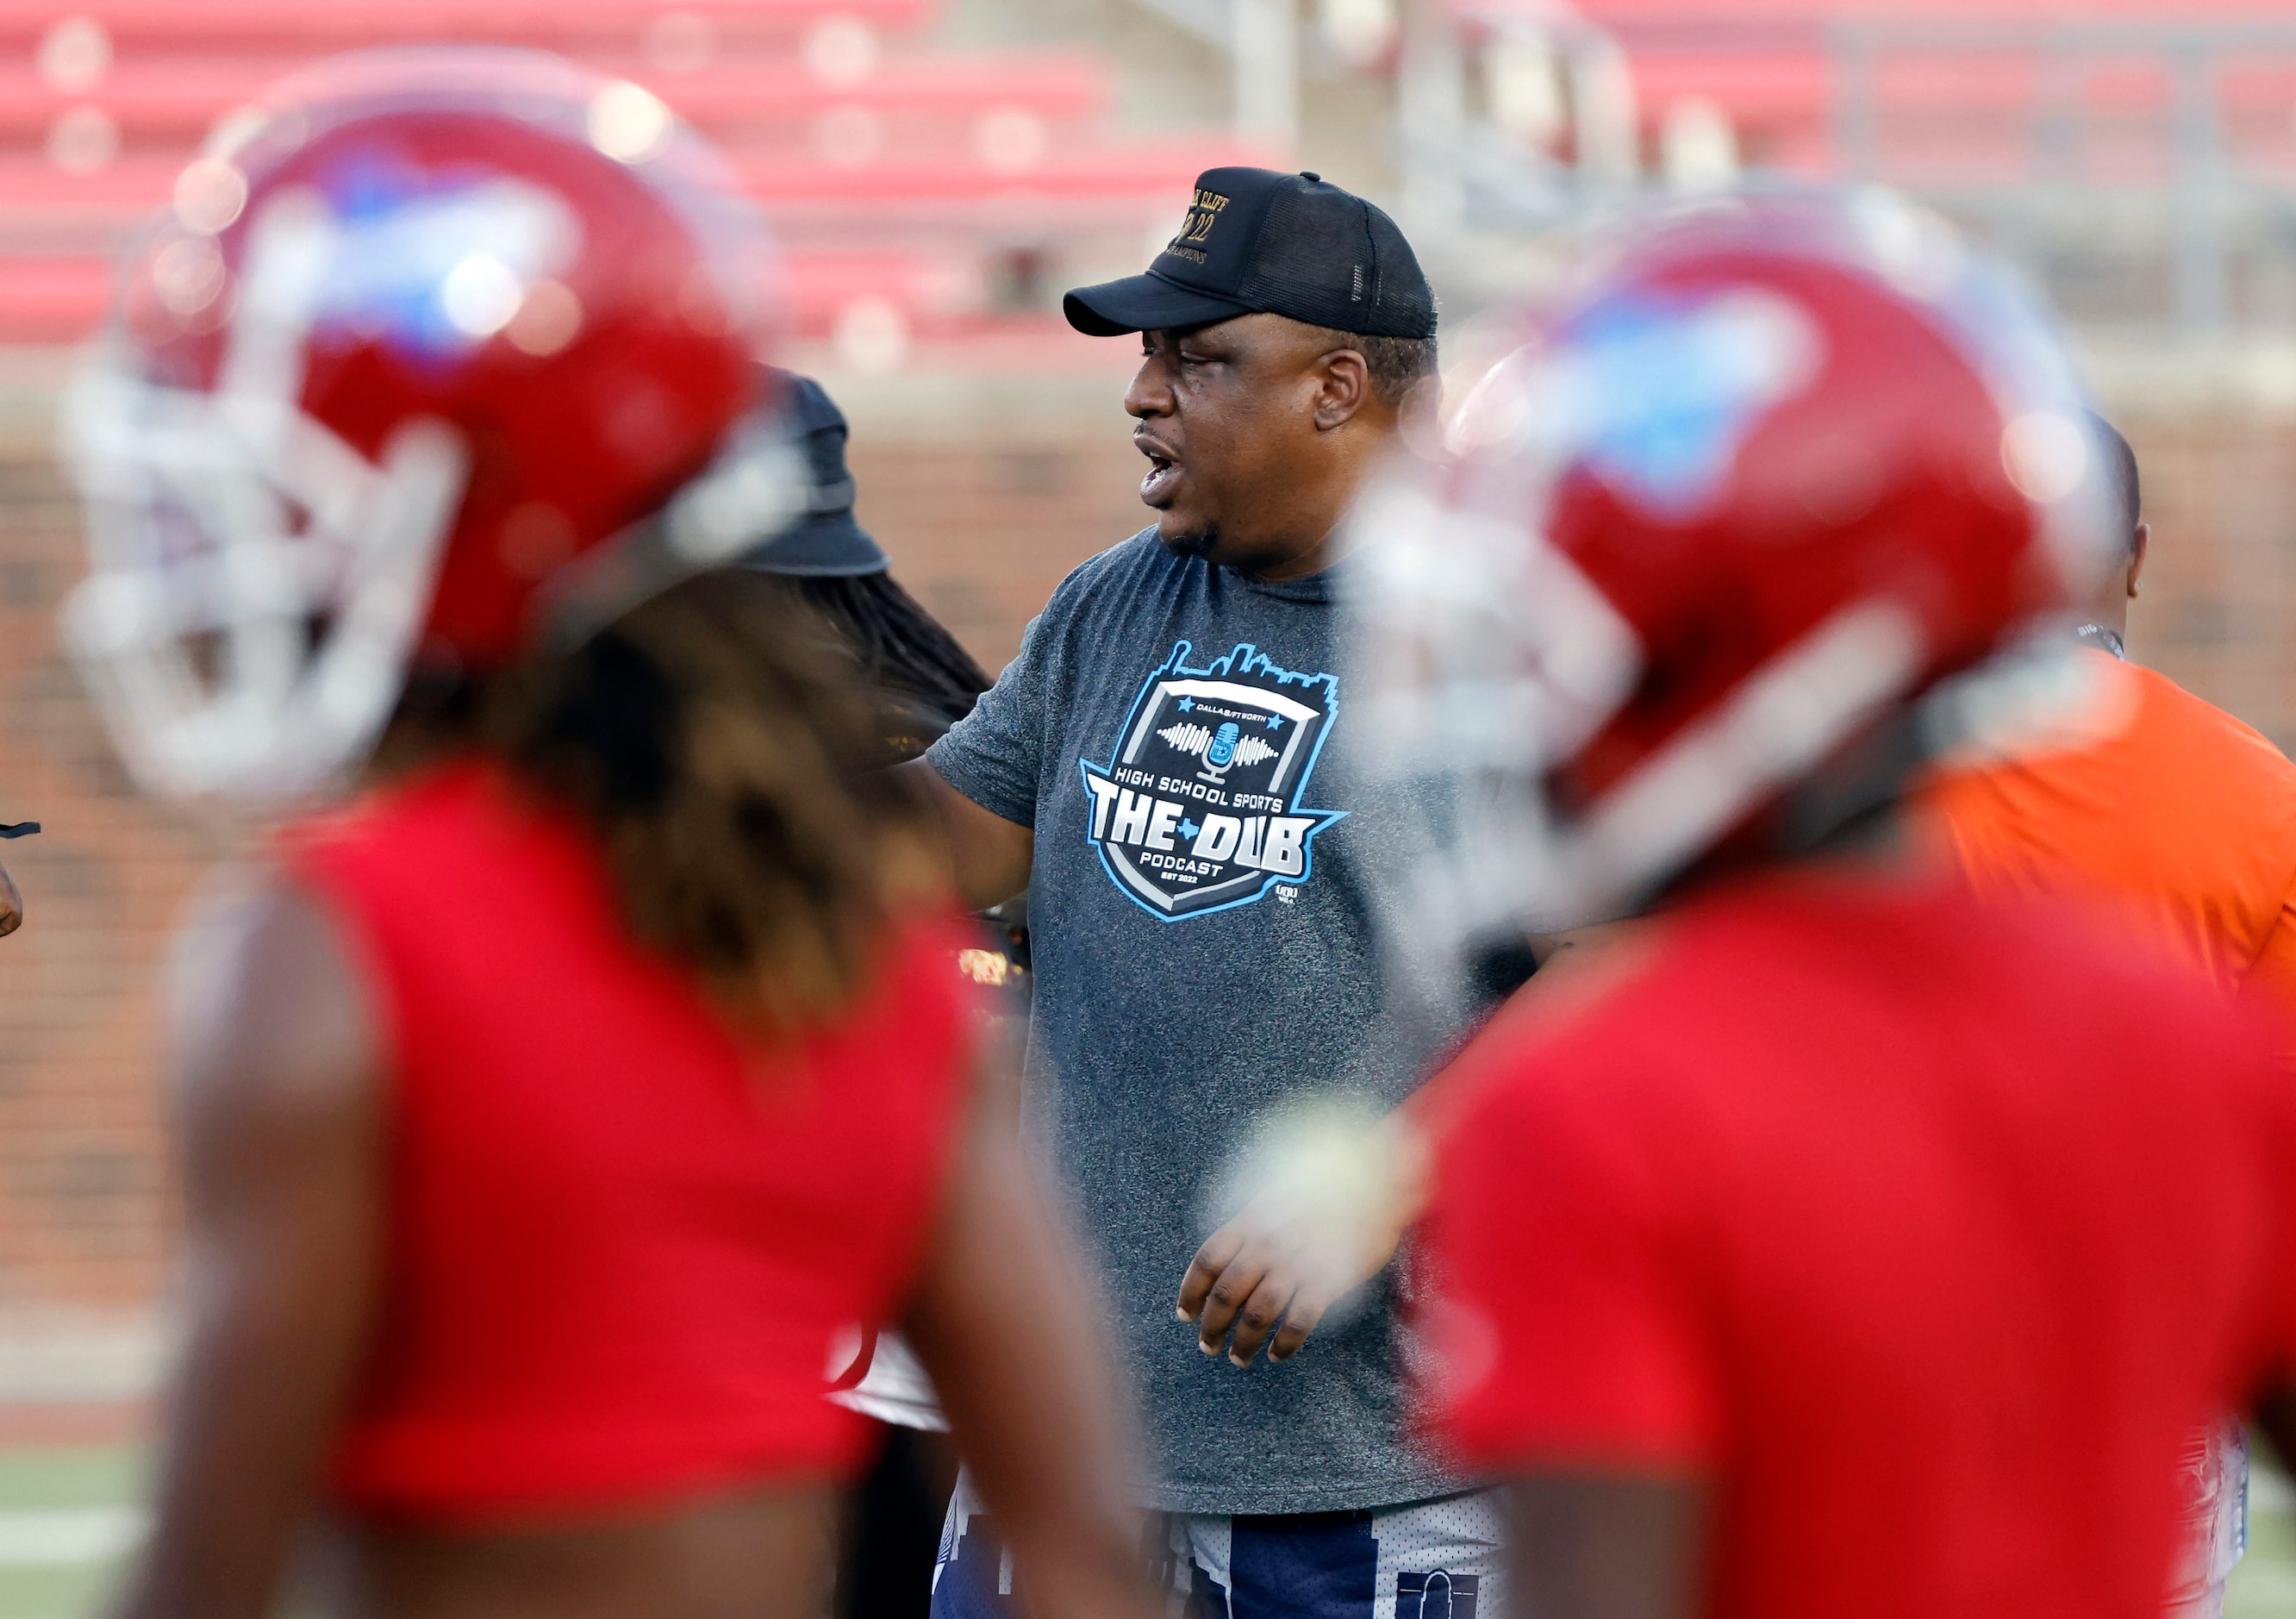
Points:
(436, 352)
(1766, 477)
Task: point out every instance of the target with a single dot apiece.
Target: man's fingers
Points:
(1226, 1299)
(1257, 1317)
(1300, 1322)
(1219, 1252)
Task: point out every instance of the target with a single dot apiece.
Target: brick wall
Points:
(980, 532)
(2217, 603)
(980, 536)
(984, 506)
(81, 1150)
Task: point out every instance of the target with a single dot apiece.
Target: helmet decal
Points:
(1658, 392)
(431, 267)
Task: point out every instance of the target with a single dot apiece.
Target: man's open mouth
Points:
(1163, 471)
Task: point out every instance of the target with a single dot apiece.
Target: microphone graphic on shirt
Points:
(1221, 750)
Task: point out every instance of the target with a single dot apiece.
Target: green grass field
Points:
(2264, 1586)
(64, 1512)
(63, 1515)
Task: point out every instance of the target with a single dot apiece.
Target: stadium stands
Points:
(917, 193)
(2136, 157)
(1973, 91)
(571, 25)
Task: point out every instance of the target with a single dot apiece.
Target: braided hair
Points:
(926, 677)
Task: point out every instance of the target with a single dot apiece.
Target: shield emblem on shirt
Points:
(1200, 807)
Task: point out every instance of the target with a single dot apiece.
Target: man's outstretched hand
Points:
(1332, 1192)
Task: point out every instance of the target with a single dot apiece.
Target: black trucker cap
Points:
(1256, 239)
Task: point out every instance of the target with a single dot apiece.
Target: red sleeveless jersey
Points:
(621, 1241)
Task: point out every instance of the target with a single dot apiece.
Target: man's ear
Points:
(2140, 544)
(1342, 388)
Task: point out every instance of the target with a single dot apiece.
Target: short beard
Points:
(1196, 542)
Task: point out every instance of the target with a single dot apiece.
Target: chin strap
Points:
(2103, 635)
(22, 829)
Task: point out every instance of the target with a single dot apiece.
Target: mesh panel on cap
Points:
(1336, 267)
(1405, 303)
(1301, 265)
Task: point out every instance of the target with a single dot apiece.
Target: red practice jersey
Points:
(1927, 1232)
(621, 1241)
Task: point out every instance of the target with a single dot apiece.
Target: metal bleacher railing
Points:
(2143, 166)
(2144, 170)
(2171, 141)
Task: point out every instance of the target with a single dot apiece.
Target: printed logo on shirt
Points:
(1200, 807)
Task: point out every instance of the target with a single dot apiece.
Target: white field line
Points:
(68, 1538)
(80, 1536)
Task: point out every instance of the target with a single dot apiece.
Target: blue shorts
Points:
(1436, 1560)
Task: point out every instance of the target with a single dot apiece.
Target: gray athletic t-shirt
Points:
(1203, 909)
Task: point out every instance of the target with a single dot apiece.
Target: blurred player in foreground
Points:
(2182, 821)
(557, 1109)
(1835, 1244)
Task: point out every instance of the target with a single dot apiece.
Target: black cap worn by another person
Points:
(825, 542)
(1258, 240)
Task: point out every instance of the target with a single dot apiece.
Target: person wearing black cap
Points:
(925, 681)
(926, 677)
(1206, 875)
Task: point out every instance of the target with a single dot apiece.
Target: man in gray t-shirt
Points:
(1159, 767)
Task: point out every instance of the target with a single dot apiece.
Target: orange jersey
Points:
(2178, 814)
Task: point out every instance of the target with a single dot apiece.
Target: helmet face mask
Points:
(258, 586)
(1487, 655)
(431, 331)
(1693, 552)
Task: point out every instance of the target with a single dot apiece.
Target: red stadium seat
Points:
(950, 188)
(1944, 111)
(175, 100)
(307, 26)
(37, 195)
